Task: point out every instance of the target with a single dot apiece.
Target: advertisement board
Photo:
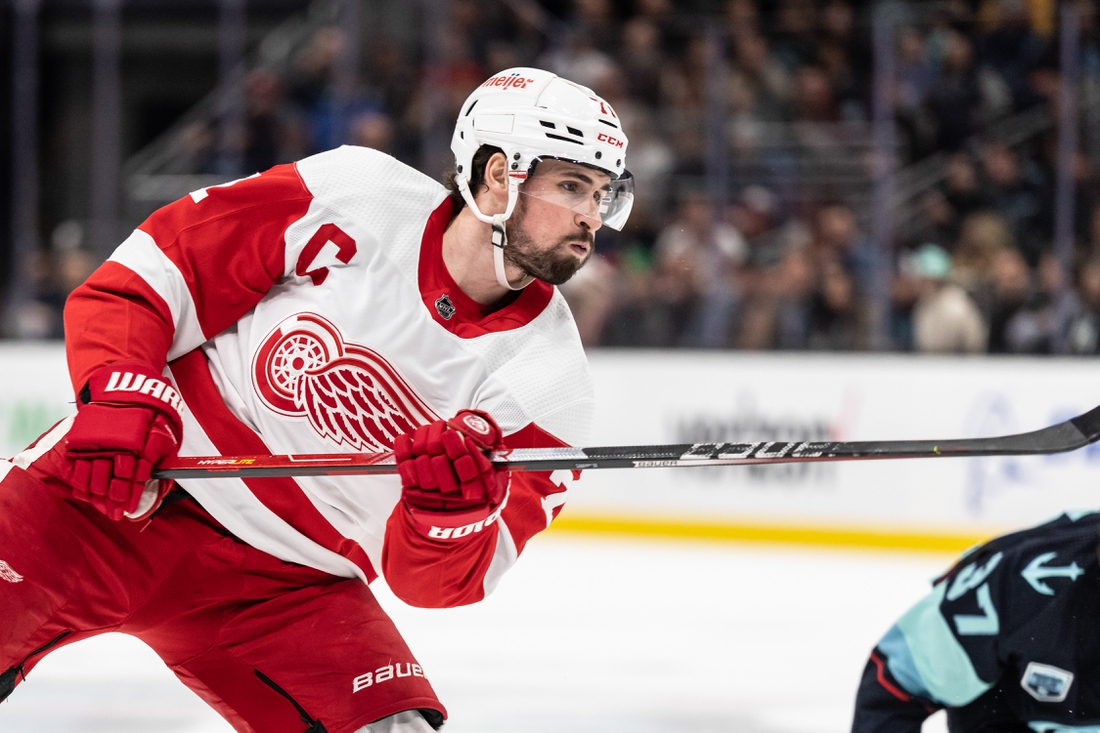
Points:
(34, 393)
(683, 397)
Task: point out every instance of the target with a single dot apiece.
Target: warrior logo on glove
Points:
(128, 421)
(350, 394)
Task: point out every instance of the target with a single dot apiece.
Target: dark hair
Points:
(477, 174)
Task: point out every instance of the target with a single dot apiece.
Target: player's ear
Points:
(496, 177)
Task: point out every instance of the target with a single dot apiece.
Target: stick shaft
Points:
(1066, 436)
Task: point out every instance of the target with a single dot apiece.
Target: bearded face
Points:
(552, 263)
(551, 233)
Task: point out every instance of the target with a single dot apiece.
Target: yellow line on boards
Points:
(907, 539)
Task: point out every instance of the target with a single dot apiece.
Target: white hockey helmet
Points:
(532, 114)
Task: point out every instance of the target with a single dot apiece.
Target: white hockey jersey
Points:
(308, 310)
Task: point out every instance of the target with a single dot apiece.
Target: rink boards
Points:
(941, 503)
(682, 397)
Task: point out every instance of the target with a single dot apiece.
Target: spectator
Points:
(981, 237)
(596, 18)
(813, 98)
(53, 275)
(837, 237)
(1016, 194)
(755, 215)
(313, 67)
(1084, 328)
(580, 58)
(956, 100)
(273, 132)
(714, 252)
(961, 186)
(642, 60)
(651, 162)
(657, 306)
(914, 74)
(1013, 49)
(835, 61)
(915, 78)
(1010, 291)
(946, 320)
(761, 75)
(687, 90)
(776, 314)
(795, 33)
(935, 219)
(373, 129)
(1042, 325)
(591, 298)
(838, 316)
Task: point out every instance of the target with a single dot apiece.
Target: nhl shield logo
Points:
(1046, 683)
(444, 307)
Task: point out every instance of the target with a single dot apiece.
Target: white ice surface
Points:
(584, 635)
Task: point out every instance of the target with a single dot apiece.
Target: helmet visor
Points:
(582, 189)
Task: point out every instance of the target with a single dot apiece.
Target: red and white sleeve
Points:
(443, 574)
(189, 271)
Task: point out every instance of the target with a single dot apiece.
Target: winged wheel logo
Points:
(349, 393)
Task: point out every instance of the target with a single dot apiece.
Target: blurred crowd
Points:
(750, 141)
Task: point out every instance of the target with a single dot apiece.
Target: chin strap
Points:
(500, 235)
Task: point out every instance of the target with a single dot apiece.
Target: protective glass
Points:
(583, 189)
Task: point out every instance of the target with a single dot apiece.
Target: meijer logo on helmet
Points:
(511, 81)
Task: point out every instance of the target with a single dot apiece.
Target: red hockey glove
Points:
(449, 487)
(129, 420)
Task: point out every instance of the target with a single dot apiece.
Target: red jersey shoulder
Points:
(279, 185)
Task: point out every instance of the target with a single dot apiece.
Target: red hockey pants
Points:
(274, 647)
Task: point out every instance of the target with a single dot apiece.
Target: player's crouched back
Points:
(1006, 641)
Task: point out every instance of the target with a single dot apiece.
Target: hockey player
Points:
(1007, 641)
(342, 303)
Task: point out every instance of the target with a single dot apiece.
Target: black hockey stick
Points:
(1066, 436)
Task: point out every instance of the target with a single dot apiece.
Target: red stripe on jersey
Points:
(892, 689)
(470, 318)
(230, 246)
(115, 315)
(230, 436)
(525, 516)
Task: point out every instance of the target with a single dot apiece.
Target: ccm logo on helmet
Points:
(508, 82)
(603, 137)
(454, 533)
